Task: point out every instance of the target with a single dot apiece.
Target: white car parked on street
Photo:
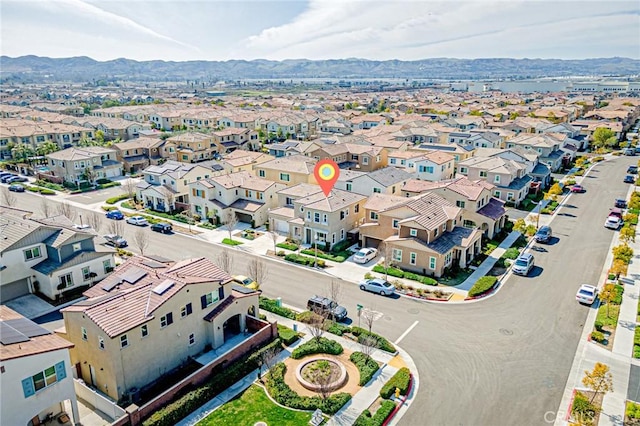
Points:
(587, 294)
(137, 220)
(613, 222)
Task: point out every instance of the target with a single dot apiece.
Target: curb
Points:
(573, 396)
(402, 402)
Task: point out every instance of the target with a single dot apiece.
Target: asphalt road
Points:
(502, 361)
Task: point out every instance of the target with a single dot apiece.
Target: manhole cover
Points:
(414, 311)
(506, 331)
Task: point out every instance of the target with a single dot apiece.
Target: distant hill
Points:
(35, 68)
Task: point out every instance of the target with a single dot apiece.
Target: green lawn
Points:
(253, 406)
(231, 242)
(612, 319)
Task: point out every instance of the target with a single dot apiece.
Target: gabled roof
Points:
(388, 176)
(337, 199)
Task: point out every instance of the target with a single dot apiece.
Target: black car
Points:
(325, 306)
(543, 235)
(620, 203)
(632, 170)
(629, 179)
(16, 188)
(163, 227)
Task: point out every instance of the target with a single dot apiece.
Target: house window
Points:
(365, 160)
(412, 258)
(308, 215)
(509, 196)
(460, 204)
(447, 259)
(209, 299)
(463, 170)
(483, 173)
(144, 330)
(377, 190)
(124, 341)
(316, 217)
(397, 255)
(413, 232)
(261, 173)
(349, 186)
(395, 223)
(107, 266)
(435, 232)
(432, 262)
(42, 379)
(84, 333)
(373, 216)
(341, 234)
(86, 273)
(32, 253)
(284, 177)
(324, 218)
(288, 201)
(66, 280)
(100, 342)
(356, 208)
(166, 320)
(496, 179)
(186, 310)
(192, 339)
(392, 161)
(496, 194)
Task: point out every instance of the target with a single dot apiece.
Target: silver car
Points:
(378, 285)
(364, 255)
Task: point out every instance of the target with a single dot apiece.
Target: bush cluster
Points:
(229, 242)
(287, 335)
(367, 366)
(399, 273)
(287, 246)
(323, 255)
(383, 344)
(633, 410)
(582, 407)
(338, 329)
(317, 346)
(283, 394)
(597, 336)
(483, 285)
(272, 306)
(400, 380)
(304, 260)
(378, 419)
(117, 198)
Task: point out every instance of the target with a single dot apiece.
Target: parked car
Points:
(613, 222)
(523, 264)
(324, 305)
(115, 240)
(577, 188)
(15, 179)
(629, 179)
(364, 255)
(587, 294)
(629, 151)
(620, 203)
(16, 188)
(378, 285)
(632, 170)
(137, 220)
(5, 178)
(163, 227)
(115, 214)
(5, 173)
(543, 235)
(246, 281)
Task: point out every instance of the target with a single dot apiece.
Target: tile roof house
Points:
(362, 157)
(193, 147)
(48, 256)
(546, 145)
(421, 233)
(139, 153)
(37, 376)
(388, 180)
(146, 302)
(76, 165)
(291, 170)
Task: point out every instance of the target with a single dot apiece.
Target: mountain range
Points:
(84, 69)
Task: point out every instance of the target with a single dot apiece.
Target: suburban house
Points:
(165, 186)
(312, 217)
(139, 153)
(231, 138)
(423, 234)
(388, 180)
(546, 145)
(76, 165)
(459, 152)
(240, 160)
(48, 256)
(539, 172)
(365, 158)
(37, 378)
(245, 195)
(291, 147)
(480, 209)
(509, 177)
(147, 302)
(193, 147)
(290, 171)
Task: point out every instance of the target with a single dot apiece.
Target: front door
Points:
(92, 372)
(307, 239)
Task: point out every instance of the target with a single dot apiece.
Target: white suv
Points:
(523, 264)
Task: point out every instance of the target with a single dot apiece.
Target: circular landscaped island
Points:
(320, 373)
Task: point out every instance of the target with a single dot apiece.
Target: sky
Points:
(180, 30)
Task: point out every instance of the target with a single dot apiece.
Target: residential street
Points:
(501, 361)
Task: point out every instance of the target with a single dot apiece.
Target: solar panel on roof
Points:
(163, 286)
(152, 264)
(9, 335)
(111, 285)
(133, 275)
(159, 258)
(27, 327)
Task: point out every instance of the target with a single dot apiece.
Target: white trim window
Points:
(397, 255)
(124, 341)
(32, 253)
(432, 262)
(412, 258)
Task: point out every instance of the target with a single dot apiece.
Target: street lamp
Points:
(539, 213)
(315, 262)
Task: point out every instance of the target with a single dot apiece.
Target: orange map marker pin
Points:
(326, 173)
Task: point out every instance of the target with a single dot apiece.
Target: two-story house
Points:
(291, 170)
(230, 139)
(139, 153)
(423, 234)
(37, 378)
(194, 147)
(365, 158)
(388, 180)
(540, 173)
(247, 196)
(545, 145)
(148, 302)
(291, 147)
(240, 160)
(48, 256)
(480, 209)
(76, 165)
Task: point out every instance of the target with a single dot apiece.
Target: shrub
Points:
(598, 325)
(400, 380)
(633, 410)
(281, 253)
(117, 198)
(382, 343)
(109, 208)
(304, 260)
(283, 394)
(483, 285)
(307, 317)
(511, 253)
(378, 419)
(338, 329)
(287, 246)
(582, 407)
(619, 290)
(317, 346)
(623, 252)
(322, 255)
(206, 225)
(272, 306)
(287, 335)
(229, 242)
(597, 336)
(367, 366)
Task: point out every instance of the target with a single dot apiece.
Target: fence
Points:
(98, 401)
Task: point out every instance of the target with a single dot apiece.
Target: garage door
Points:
(281, 226)
(13, 290)
(371, 242)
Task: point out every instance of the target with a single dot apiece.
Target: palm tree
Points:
(47, 148)
(23, 151)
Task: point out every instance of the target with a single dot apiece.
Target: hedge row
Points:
(283, 394)
(483, 285)
(287, 246)
(117, 198)
(399, 273)
(383, 344)
(338, 329)
(304, 260)
(378, 419)
(324, 255)
(400, 380)
(272, 306)
(42, 191)
(182, 407)
(367, 366)
(317, 346)
(287, 335)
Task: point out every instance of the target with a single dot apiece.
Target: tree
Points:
(230, 221)
(369, 316)
(335, 291)
(618, 268)
(520, 225)
(623, 252)
(317, 323)
(115, 227)
(22, 151)
(627, 234)
(321, 376)
(47, 148)
(225, 261)
(65, 209)
(94, 220)
(598, 380)
(89, 175)
(257, 270)
(266, 359)
(385, 250)
(367, 345)
(141, 238)
(555, 189)
(273, 235)
(604, 137)
(8, 197)
(46, 207)
(608, 295)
